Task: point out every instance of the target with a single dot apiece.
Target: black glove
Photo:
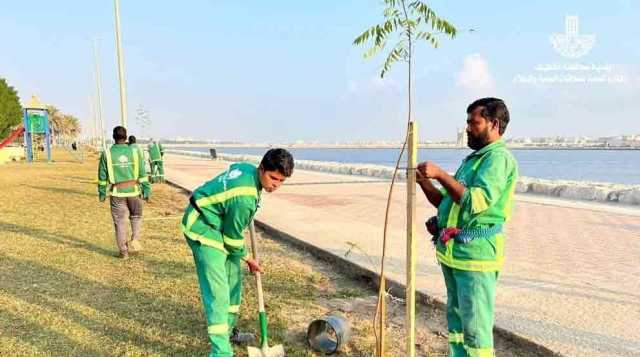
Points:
(432, 228)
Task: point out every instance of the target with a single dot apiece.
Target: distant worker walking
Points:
(156, 152)
(132, 143)
(213, 222)
(123, 177)
(468, 233)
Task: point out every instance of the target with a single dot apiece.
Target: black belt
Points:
(192, 201)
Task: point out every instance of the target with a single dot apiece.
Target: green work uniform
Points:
(471, 269)
(213, 223)
(140, 154)
(156, 152)
(122, 167)
(121, 163)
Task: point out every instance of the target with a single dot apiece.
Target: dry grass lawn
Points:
(63, 292)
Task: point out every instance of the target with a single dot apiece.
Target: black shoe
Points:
(241, 338)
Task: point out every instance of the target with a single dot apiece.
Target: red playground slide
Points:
(16, 133)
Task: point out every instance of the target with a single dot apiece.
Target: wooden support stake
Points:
(382, 323)
(410, 292)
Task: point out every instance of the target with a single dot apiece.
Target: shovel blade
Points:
(273, 351)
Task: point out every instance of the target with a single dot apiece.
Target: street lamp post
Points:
(123, 91)
(99, 87)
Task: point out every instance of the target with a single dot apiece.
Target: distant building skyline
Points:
(621, 141)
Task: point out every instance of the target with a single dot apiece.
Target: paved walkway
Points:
(572, 273)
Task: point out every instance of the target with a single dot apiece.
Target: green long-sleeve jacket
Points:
(122, 163)
(489, 176)
(139, 149)
(156, 151)
(222, 208)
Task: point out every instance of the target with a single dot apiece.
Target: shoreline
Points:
(394, 146)
(604, 192)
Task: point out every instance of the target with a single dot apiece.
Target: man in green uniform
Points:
(132, 143)
(156, 152)
(472, 207)
(122, 175)
(134, 245)
(213, 222)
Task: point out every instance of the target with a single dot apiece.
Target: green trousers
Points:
(157, 171)
(470, 302)
(220, 280)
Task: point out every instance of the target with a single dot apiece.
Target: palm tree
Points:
(55, 122)
(71, 127)
(64, 127)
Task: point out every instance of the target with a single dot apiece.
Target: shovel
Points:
(264, 350)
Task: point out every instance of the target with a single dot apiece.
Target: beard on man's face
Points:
(477, 142)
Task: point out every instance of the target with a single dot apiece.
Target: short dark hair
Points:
(119, 133)
(492, 109)
(132, 139)
(278, 160)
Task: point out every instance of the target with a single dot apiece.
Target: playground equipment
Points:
(36, 123)
(13, 136)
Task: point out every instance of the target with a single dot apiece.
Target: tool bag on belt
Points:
(459, 235)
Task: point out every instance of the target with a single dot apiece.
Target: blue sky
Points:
(277, 71)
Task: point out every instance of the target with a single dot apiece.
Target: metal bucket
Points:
(328, 334)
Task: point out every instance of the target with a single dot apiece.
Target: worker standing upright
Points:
(123, 177)
(468, 231)
(156, 152)
(134, 245)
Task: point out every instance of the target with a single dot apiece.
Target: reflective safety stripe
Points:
(223, 196)
(477, 163)
(204, 240)
(472, 265)
(191, 219)
(234, 309)
(218, 329)
(479, 200)
(136, 164)
(456, 337)
(508, 208)
(107, 155)
(236, 243)
(102, 183)
(479, 352)
(134, 193)
(143, 179)
(452, 220)
(449, 260)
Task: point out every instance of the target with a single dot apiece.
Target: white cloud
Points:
(371, 85)
(378, 83)
(352, 87)
(475, 73)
